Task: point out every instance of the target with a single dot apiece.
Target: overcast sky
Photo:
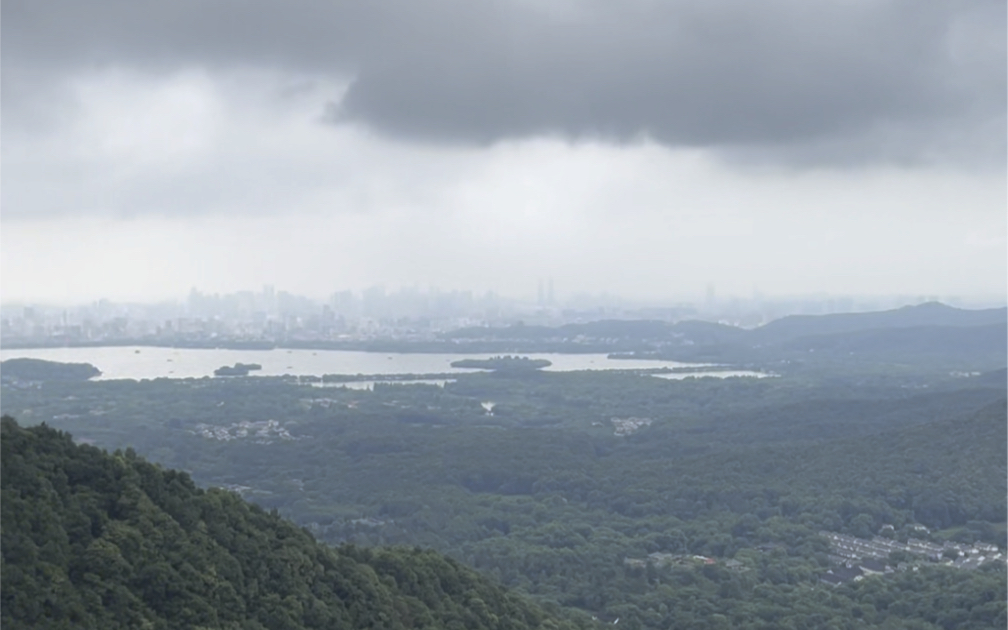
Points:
(643, 147)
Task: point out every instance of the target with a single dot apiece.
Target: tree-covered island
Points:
(503, 364)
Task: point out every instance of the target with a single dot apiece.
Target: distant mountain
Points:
(930, 314)
(93, 540)
(698, 332)
(933, 332)
(934, 335)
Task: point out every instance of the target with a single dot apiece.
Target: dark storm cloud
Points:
(836, 80)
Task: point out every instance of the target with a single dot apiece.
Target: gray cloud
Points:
(836, 81)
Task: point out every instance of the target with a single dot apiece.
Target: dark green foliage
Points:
(542, 496)
(39, 370)
(92, 540)
(940, 343)
(503, 364)
(238, 369)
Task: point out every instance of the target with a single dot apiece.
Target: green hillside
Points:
(93, 540)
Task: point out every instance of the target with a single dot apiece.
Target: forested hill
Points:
(93, 540)
(931, 314)
(949, 338)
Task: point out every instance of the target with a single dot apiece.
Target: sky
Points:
(643, 148)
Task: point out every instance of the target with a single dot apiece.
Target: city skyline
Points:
(545, 293)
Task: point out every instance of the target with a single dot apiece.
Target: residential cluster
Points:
(854, 558)
(262, 431)
(629, 426)
(660, 560)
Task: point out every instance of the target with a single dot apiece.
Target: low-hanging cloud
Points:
(836, 81)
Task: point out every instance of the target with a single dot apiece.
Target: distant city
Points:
(406, 314)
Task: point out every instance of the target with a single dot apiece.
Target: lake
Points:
(121, 362)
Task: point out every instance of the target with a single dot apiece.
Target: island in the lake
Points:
(38, 370)
(503, 364)
(238, 369)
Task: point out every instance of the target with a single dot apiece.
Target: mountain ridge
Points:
(98, 540)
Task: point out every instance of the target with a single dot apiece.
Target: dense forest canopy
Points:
(696, 503)
(39, 370)
(93, 540)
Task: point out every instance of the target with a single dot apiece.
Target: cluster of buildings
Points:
(408, 314)
(629, 426)
(854, 558)
(267, 316)
(262, 431)
(661, 559)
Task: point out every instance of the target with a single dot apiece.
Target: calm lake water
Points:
(148, 363)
